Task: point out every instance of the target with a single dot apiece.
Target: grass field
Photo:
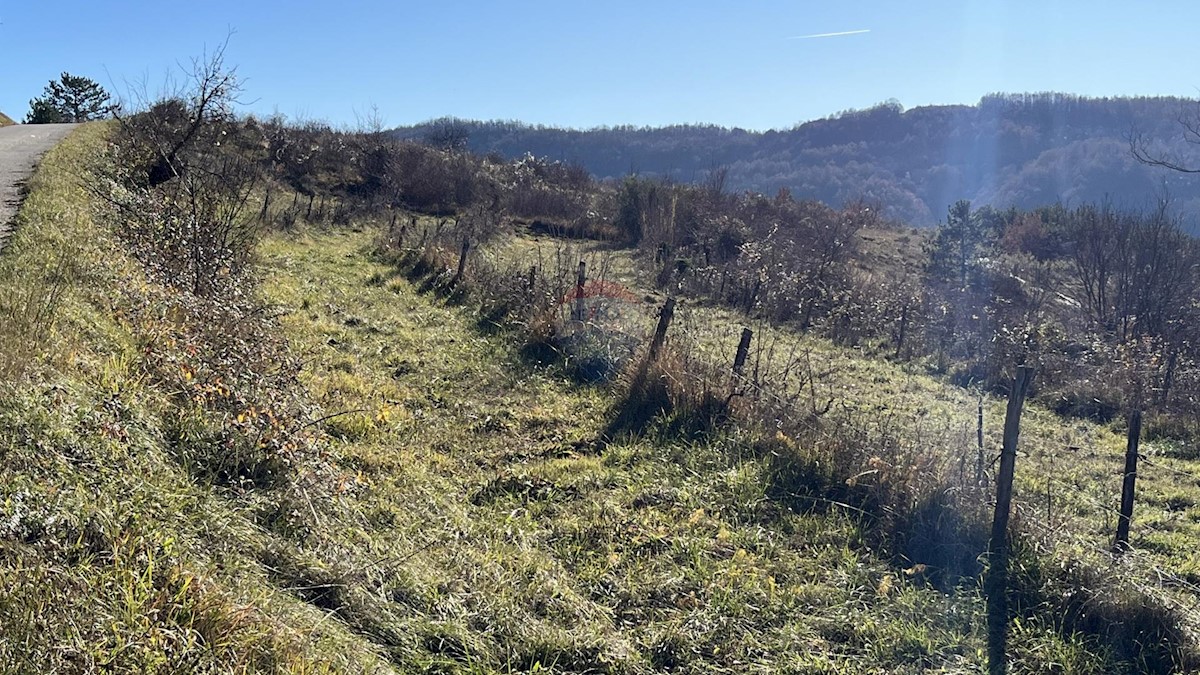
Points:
(461, 510)
(486, 476)
(1069, 474)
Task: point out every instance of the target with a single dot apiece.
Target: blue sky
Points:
(585, 64)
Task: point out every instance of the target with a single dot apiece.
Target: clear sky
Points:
(582, 64)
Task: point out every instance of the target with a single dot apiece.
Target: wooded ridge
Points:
(1023, 150)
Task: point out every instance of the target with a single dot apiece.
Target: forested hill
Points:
(1021, 150)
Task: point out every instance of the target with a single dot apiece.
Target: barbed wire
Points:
(1190, 477)
(1127, 558)
(695, 341)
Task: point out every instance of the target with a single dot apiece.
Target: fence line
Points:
(771, 388)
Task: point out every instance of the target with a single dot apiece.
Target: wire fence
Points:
(792, 385)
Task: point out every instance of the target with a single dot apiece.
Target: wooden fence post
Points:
(997, 576)
(753, 296)
(462, 261)
(1168, 380)
(1127, 486)
(980, 460)
(902, 332)
(577, 309)
(660, 333)
(743, 351)
(531, 280)
(262, 216)
(739, 362)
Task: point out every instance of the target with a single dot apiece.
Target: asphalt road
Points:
(21, 145)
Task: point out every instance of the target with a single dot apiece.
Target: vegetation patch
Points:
(271, 408)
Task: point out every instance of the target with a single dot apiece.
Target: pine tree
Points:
(70, 98)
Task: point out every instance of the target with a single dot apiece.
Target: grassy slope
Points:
(1069, 472)
(514, 539)
(111, 557)
(477, 526)
(519, 542)
(5, 120)
(1069, 475)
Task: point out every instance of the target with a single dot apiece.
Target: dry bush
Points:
(181, 188)
(434, 181)
(547, 191)
(180, 174)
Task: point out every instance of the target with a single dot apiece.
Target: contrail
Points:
(821, 35)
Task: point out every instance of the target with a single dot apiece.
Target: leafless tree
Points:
(1143, 150)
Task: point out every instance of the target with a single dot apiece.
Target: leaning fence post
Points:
(577, 309)
(1127, 485)
(739, 362)
(262, 216)
(660, 333)
(997, 577)
(743, 351)
(462, 261)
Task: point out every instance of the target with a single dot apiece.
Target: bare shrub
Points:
(181, 189)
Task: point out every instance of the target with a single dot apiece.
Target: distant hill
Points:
(1020, 150)
(5, 120)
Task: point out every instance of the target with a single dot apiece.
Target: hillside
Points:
(5, 120)
(349, 466)
(306, 400)
(1008, 150)
(445, 505)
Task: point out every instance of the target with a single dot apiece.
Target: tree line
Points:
(1022, 150)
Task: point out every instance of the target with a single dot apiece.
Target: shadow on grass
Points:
(650, 405)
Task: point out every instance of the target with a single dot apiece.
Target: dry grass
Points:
(907, 440)
(464, 510)
(111, 556)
